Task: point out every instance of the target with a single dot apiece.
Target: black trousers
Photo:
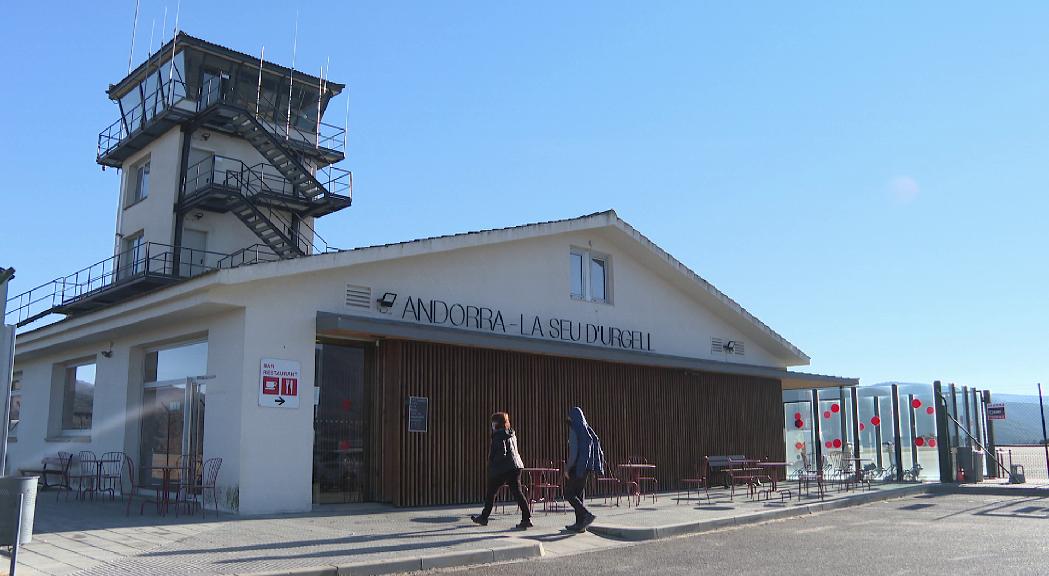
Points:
(574, 488)
(513, 479)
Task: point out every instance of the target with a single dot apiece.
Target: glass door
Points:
(172, 430)
(340, 426)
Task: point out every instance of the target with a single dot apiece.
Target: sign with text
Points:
(279, 383)
(996, 411)
(418, 412)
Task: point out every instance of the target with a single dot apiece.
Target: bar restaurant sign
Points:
(279, 383)
(468, 316)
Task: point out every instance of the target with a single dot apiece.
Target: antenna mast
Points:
(134, 29)
(291, 80)
(171, 68)
(258, 91)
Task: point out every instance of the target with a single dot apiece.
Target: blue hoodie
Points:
(580, 444)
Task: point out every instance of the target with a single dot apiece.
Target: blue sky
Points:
(869, 181)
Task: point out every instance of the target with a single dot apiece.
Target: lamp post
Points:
(7, 363)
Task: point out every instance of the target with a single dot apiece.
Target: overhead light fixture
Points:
(386, 301)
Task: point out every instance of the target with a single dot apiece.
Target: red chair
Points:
(642, 479)
(608, 485)
(208, 483)
(698, 482)
(551, 491)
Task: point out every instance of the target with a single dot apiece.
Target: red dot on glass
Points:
(799, 424)
(930, 410)
(826, 414)
(835, 408)
(875, 421)
(828, 444)
(344, 444)
(862, 426)
(932, 442)
(797, 415)
(837, 443)
(916, 403)
(799, 445)
(919, 441)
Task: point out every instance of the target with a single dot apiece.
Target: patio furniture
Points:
(745, 471)
(697, 482)
(808, 476)
(770, 469)
(51, 467)
(716, 466)
(542, 489)
(208, 483)
(85, 474)
(111, 473)
(133, 488)
(636, 472)
(609, 485)
(646, 476)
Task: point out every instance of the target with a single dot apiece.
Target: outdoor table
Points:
(772, 476)
(98, 472)
(535, 478)
(164, 501)
(635, 477)
(749, 473)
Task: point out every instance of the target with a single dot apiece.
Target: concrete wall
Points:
(153, 216)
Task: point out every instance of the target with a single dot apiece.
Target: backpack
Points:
(597, 462)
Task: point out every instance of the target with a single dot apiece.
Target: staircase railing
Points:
(249, 181)
(273, 117)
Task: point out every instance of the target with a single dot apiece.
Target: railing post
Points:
(815, 417)
(896, 440)
(989, 428)
(943, 432)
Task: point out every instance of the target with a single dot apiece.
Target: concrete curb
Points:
(519, 550)
(638, 534)
(988, 490)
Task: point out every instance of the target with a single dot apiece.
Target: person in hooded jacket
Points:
(504, 467)
(582, 458)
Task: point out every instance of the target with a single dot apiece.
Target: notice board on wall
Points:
(418, 413)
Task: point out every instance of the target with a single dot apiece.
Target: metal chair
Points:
(642, 479)
(112, 473)
(86, 474)
(699, 481)
(609, 485)
(208, 483)
(548, 491)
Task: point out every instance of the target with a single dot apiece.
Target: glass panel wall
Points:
(340, 424)
(798, 429)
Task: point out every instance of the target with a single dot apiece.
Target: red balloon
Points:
(799, 445)
(876, 421)
(828, 444)
(797, 415)
(930, 410)
(919, 441)
(862, 426)
(837, 443)
(835, 408)
(826, 414)
(916, 403)
(932, 442)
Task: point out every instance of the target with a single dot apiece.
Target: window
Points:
(590, 275)
(16, 405)
(133, 256)
(78, 398)
(176, 363)
(138, 183)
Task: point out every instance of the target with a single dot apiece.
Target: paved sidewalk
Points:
(95, 538)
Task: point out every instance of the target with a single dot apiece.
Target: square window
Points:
(78, 398)
(138, 183)
(590, 275)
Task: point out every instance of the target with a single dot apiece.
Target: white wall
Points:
(153, 215)
(118, 393)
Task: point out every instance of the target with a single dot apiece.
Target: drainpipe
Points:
(7, 363)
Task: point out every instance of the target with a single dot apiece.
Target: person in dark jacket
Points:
(582, 458)
(504, 467)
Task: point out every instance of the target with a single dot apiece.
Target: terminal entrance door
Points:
(340, 423)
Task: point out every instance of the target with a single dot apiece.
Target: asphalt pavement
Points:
(926, 535)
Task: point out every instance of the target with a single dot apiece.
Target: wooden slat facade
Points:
(671, 417)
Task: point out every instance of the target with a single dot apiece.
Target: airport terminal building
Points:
(223, 327)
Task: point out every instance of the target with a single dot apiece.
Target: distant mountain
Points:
(1023, 420)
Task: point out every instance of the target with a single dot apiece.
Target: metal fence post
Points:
(942, 430)
(897, 446)
(991, 447)
(818, 441)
